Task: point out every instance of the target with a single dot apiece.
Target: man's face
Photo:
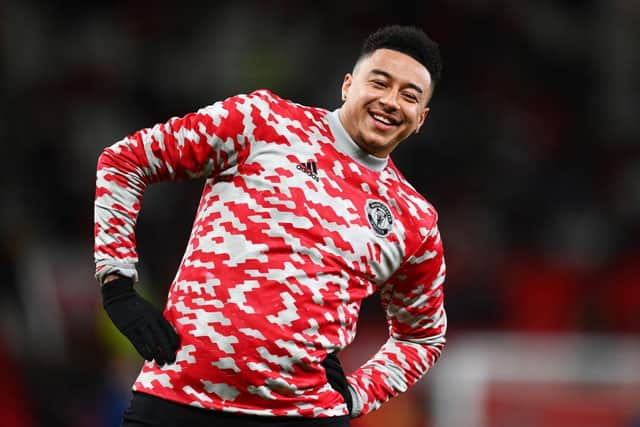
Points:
(385, 100)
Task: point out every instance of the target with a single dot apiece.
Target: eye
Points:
(378, 83)
(410, 96)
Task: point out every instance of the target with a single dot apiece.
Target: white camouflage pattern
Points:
(279, 259)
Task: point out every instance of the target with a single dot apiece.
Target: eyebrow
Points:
(389, 76)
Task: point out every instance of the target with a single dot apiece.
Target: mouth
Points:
(383, 119)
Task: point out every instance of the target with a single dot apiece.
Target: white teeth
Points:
(382, 119)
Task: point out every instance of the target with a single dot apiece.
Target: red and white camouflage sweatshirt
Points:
(295, 227)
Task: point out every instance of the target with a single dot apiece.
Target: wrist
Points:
(117, 288)
(110, 278)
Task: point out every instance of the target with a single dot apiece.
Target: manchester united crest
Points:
(379, 217)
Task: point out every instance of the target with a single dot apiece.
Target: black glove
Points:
(337, 379)
(142, 323)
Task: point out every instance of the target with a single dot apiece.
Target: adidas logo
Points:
(310, 168)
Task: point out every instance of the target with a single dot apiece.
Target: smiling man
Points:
(385, 99)
(303, 215)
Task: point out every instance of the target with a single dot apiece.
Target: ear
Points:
(346, 85)
(423, 115)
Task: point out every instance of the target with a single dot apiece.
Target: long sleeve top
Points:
(295, 227)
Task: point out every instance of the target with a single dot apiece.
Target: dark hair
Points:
(409, 40)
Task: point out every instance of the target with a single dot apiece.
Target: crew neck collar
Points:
(348, 146)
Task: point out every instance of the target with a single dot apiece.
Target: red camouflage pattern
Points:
(279, 258)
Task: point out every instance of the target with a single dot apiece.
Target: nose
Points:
(389, 99)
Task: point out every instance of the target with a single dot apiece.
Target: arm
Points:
(413, 303)
(196, 145)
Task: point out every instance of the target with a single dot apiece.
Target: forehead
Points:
(398, 65)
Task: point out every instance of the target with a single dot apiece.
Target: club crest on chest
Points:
(379, 217)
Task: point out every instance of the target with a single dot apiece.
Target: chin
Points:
(374, 143)
(377, 148)
(379, 143)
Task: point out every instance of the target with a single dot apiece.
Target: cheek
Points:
(415, 115)
(365, 96)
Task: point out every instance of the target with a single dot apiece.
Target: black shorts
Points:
(146, 410)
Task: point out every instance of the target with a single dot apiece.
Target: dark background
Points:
(531, 154)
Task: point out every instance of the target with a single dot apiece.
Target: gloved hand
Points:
(142, 323)
(337, 379)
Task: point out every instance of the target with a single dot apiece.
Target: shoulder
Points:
(286, 107)
(264, 108)
(266, 99)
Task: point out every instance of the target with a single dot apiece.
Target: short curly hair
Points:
(409, 40)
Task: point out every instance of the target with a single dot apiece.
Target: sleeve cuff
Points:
(105, 268)
(358, 402)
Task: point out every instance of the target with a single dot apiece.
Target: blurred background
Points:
(531, 154)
